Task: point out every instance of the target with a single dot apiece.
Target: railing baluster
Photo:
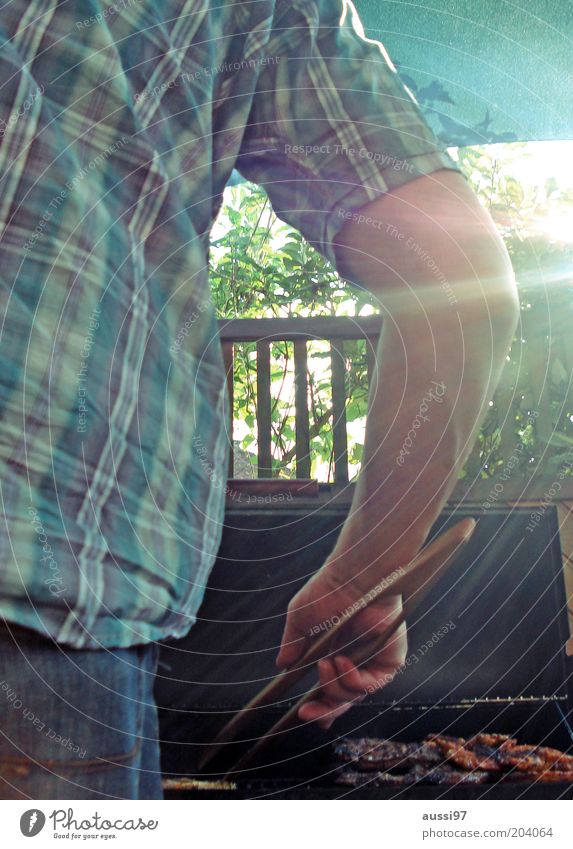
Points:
(228, 361)
(264, 331)
(301, 410)
(339, 439)
(371, 346)
(265, 465)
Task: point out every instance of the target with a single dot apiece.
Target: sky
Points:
(545, 159)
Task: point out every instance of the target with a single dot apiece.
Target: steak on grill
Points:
(440, 759)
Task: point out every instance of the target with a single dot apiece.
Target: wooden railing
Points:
(336, 330)
(299, 331)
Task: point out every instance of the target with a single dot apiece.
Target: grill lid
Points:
(494, 628)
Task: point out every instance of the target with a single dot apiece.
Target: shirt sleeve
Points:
(331, 126)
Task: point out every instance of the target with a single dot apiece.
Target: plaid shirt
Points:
(120, 125)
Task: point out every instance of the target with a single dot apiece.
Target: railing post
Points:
(301, 410)
(339, 437)
(228, 359)
(264, 416)
(371, 348)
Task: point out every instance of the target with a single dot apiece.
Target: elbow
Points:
(510, 307)
(495, 310)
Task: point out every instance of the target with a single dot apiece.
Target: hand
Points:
(315, 609)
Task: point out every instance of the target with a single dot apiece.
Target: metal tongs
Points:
(413, 582)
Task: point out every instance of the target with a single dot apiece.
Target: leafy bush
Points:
(261, 267)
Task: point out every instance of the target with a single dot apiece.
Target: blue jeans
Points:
(76, 724)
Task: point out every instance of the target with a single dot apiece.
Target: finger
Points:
(380, 677)
(364, 680)
(356, 680)
(394, 652)
(322, 712)
(350, 676)
(335, 699)
(293, 645)
(332, 681)
(341, 681)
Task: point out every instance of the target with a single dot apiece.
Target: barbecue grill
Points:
(487, 653)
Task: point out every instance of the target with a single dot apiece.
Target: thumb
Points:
(293, 644)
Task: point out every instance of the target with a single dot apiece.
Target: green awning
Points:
(482, 70)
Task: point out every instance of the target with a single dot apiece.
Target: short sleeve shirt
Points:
(120, 125)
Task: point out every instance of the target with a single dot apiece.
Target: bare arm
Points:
(444, 281)
(435, 261)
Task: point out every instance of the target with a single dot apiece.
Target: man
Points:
(121, 126)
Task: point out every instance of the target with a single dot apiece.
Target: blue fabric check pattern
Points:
(120, 125)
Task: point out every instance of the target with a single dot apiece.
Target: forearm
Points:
(439, 358)
(424, 410)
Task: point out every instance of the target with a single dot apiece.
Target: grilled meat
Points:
(441, 759)
(522, 758)
(446, 774)
(556, 760)
(374, 754)
(417, 774)
(182, 784)
(385, 753)
(491, 739)
(353, 778)
(468, 754)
